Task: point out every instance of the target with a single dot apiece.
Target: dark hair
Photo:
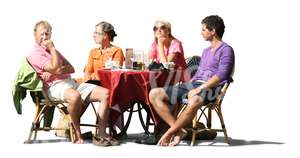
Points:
(108, 28)
(215, 22)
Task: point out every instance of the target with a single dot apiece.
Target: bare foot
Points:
(78, 139)
(165, 139)
(178, 137)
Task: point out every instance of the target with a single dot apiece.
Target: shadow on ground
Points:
(219, 141)
(131, 138)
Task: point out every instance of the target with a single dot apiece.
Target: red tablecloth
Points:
(129, 86)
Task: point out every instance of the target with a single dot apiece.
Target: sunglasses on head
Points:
(163, 27)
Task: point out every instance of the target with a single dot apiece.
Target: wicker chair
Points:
(45, 108)
(206, 110)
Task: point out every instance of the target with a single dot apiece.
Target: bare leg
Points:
(186, 116)
(73, 98)
(175, 133)
(159, 100)
(101, 95)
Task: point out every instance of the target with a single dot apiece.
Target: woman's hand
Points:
(161, 44)
(87, 76)
(161, 41)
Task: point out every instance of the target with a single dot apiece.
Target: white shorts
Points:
(58, 88)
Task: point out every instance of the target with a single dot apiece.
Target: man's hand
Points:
(48, 44)
(194, 92)
(46, 76)
(65, 69)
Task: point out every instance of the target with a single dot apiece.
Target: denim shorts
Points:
(178, 94)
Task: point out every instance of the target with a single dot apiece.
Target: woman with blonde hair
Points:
(166, 48)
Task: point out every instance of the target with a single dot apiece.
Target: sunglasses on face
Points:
(45, 33)
(163, 27)
(99, 33)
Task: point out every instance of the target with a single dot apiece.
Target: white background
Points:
(261, 107)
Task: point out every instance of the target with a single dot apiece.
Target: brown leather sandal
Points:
(98, 141)
(113, 141)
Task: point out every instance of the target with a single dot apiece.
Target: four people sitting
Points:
(54, 69)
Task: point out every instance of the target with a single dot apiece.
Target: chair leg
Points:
(36, 121)
(219, 112)
(194, 130)
(208, 123)
(225, 136)
(35, 134)
(30, 134)
(71, 130)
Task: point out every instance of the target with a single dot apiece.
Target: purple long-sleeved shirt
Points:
(220, 63)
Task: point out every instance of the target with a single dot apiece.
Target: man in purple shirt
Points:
(216, 66)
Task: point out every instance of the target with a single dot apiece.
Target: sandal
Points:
(113, 141)
(98, 141)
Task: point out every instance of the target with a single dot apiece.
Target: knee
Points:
(73, 97)
(196, 102)
(105, 93)
(155, 93)
(102, 94)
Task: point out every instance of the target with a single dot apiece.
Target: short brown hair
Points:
(215, 22)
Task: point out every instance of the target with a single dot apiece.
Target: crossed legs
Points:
(159, 99)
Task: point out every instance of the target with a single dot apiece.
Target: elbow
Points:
(55, 70)
(72, 70)
(221, 76)
(55, 66)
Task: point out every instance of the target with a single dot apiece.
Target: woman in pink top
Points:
(165, 47)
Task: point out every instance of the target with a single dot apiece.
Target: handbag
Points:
(156, 66)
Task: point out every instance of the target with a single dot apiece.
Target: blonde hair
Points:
(42, 23)
(166, 24)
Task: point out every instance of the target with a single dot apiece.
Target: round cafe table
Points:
(131, 87)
